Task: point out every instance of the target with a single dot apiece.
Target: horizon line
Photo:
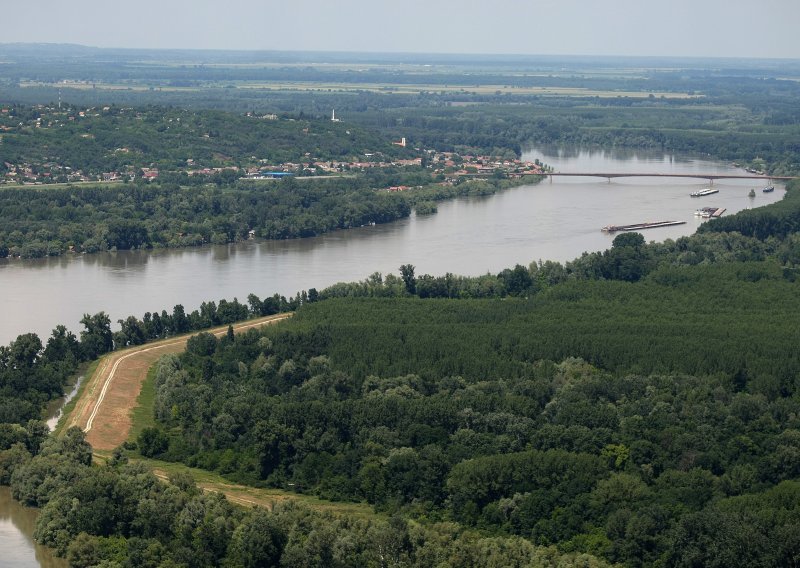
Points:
(409, 53)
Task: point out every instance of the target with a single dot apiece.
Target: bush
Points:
(152, 442)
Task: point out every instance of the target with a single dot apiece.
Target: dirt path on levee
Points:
(104, 408)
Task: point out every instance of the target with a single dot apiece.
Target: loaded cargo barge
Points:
(640, 226)
(704, 192)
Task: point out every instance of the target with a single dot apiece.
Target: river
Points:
(555, 220)
(17, 547)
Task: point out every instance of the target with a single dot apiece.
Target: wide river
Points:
(555, 220)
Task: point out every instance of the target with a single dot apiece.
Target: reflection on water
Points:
(563, 156)
(555, 220)
(633, 160)
(17, 523)
(56, 407)
(17, 548)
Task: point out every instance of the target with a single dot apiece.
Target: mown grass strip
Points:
(142, 413)
(253, 496)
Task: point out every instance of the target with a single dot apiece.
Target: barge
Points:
(704, 192)
(640, 226)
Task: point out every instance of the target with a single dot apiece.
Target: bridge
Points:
(709, 177)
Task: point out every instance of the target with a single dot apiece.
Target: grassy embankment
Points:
(142, 414)
(142, 417)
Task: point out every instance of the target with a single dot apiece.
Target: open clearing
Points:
(104, 409)
(254, 496)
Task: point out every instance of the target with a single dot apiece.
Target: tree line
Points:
(470, 411)
(139, 216)
(635, 406)
(185, 212)
(120, 514)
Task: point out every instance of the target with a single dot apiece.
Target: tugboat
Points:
(769, 189)
(709, 212)
(752, 193)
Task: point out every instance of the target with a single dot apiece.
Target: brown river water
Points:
(17, 547)
(555, 220)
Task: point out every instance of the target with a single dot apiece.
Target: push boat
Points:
(709, 212)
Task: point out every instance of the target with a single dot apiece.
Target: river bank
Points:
(554, 220)
(108, 396)
(468, 236)
(17, 524)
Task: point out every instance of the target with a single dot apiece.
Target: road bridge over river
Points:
(709, 177)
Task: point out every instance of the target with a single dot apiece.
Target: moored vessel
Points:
(708, 212)
(703, 192)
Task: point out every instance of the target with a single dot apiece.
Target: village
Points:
(452, 166)
(447, 167)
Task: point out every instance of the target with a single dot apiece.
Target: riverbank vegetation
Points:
(760, 131)
(92, 219)
(195, 146)
(635, 406)
(545, 414)
(49, 222)
(33, 372)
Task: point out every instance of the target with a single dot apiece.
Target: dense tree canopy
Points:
(636, 406)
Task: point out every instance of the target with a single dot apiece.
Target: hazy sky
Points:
(735, 28)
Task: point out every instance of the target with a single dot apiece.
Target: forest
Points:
(109, 138)
(468, 411)
(49, 222)
(755, 126)
(39, 222)
(637, 406)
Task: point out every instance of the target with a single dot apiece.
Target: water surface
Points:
(556, 220)
(17, 548)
